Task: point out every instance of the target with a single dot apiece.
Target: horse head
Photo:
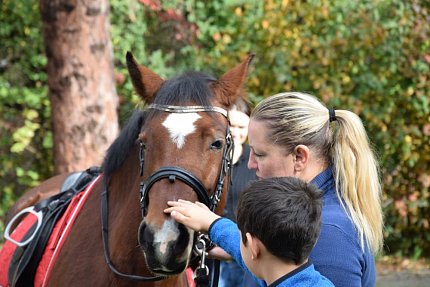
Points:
(185, 149)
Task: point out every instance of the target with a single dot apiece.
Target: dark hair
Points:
(284, 213)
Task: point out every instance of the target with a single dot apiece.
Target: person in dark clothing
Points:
(231, 274)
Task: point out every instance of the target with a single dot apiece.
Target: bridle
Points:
(177, 173)
(172, 173)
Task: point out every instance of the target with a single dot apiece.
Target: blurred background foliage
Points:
(372, 57)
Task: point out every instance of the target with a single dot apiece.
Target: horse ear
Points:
(145, 82)
(230, 84)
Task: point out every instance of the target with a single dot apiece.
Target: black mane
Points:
(186, 89)
(120, 148)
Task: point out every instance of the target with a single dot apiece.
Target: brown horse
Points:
(178, 147)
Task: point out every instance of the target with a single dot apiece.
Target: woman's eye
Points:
(216, 144)
(258, 154)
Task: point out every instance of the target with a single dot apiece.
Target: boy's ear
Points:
(301, 155)
(254, 245)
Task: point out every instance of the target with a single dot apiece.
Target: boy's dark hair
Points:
(284, 213)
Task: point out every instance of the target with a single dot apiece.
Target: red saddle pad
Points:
(55, 242)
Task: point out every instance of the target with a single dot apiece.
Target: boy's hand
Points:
(196, 216)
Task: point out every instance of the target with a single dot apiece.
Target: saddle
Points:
(29, 251)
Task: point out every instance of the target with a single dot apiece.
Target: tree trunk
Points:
(81, 81)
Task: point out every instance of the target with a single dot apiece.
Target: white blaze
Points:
(179, 126)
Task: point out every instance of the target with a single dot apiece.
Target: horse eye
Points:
(216, 144)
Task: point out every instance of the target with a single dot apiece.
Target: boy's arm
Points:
(196, 216)
(222, 231)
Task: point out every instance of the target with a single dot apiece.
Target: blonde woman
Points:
(294, 134)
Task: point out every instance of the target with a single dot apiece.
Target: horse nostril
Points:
(184, 238)
(144, 235)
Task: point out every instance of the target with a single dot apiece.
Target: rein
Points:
(173, 173)
(105, 236)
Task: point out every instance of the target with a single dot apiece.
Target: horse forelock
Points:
(189, 88)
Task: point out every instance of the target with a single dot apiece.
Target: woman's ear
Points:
(254, 246)
(301, 155)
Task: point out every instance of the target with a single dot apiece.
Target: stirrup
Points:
(30, 209)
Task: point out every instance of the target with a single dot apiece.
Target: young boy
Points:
(279, 222)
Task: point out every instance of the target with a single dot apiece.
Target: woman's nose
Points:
(252, 164)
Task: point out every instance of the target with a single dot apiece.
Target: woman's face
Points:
(267, 158)
(238, 126)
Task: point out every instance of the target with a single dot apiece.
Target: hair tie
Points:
(332, 115)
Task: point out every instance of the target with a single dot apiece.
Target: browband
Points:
(187, 109)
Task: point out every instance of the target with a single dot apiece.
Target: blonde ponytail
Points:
(357, 181)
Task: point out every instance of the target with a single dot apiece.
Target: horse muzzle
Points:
(167, 249)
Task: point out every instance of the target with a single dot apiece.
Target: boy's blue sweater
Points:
(337, 254)
(225, 234)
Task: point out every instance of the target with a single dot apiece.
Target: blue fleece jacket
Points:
(337, 254)
(225, 234)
